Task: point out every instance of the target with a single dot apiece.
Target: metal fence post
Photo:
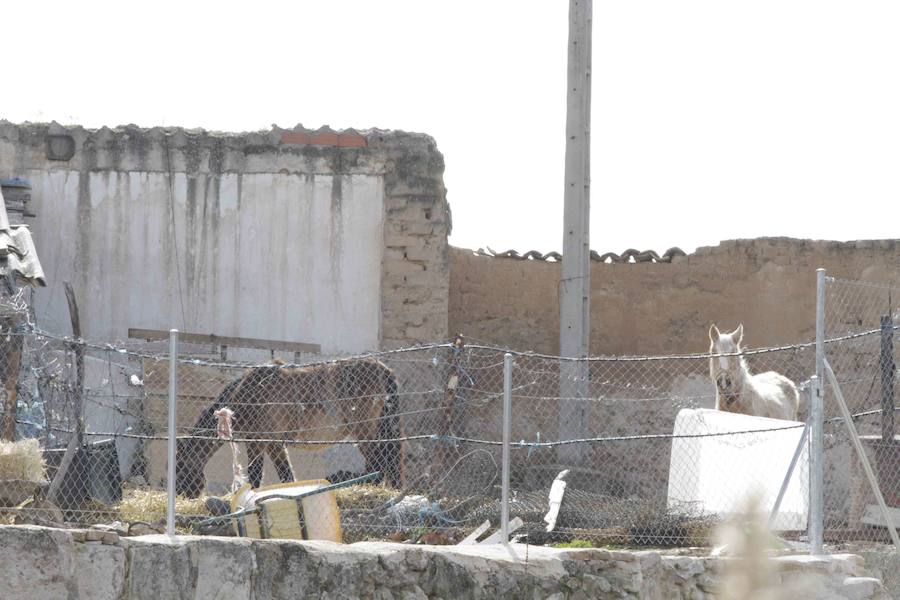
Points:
(887, 379)
(507, 426)
(173, 406)
(861, 454)
(816, 467)
(817, 424)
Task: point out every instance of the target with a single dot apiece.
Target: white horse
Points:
(768, 394)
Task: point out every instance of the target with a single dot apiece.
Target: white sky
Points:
(711, 120)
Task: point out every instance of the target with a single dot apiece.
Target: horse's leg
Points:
(254, 464)
(372, 454)
(385, 458)
(279, 455)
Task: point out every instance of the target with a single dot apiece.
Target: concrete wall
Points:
(335, 239)
(51, 564)
(663, 308)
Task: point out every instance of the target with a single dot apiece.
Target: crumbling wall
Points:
(768, 284)
(335, 238)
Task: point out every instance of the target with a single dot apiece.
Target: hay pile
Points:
(22, 460)
(363, 497)
(150, 506)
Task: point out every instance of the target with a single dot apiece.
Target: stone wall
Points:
(334, 238)
(653, 308)
(50, 564)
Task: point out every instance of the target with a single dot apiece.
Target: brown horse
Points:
(328, 401)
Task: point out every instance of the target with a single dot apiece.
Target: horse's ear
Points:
(738, 334)
(714, 333)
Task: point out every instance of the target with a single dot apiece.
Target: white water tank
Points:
(716, 474)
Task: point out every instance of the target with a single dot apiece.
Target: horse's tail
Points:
(388, 454)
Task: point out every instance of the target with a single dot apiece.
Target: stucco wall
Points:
(286, 235)
(768, 284)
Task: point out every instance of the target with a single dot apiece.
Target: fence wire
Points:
(865, 367)
(648, 462)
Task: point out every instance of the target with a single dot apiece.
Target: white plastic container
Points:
(717, 474)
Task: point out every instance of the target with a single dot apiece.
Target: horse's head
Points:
(192, 453)
(725, 370)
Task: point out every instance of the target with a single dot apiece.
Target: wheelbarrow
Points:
(299, 510)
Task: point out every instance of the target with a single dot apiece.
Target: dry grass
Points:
(150, 506)
(22, 460)
(363, 496)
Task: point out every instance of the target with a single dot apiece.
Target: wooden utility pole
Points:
(575, 285)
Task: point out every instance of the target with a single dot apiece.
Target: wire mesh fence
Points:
(648, 461)
(865, 369)
(429, 419)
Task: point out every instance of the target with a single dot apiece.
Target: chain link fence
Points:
(864, 366)
(429, 419)
(646, 459)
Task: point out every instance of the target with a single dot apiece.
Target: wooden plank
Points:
(79, 361)
(76, 439)
(472, 537)
(873, 516)
(497, 536)
(152, 335)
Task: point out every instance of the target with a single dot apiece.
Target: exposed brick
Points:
(425, 228)
(325, 138)
(393, 253)
(422, 278)
(421, 186)
(414, 302)
(392, 204)
(423, 253)
(295, 137)
(406, 212)
(351, 140)
(403, 241)
(416, 296)
(403, 266)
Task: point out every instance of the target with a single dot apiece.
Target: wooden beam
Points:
(77, 438)
(78, 349)
(152, 335)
